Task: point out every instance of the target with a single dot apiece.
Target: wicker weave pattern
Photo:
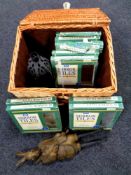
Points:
(86, 16)
(64, 19)
(14, 59)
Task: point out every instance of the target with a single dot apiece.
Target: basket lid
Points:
(91, 16)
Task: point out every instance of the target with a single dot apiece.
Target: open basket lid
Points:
(91, 16)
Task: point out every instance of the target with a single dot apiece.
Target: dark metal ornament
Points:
(38, 65)
(39, 71)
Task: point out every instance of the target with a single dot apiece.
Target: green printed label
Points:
(85, 119)
(36, 106)
(100, 105)
(29, 121)
(29, 100)
(95, 98)
(67, 74)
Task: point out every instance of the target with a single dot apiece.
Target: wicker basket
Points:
(43, 24)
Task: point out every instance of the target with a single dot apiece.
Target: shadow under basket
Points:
(42, 25)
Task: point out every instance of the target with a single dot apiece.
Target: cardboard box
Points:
(71, 53)
(70, 70)
(20, 101)
(35, 115)
(95, 113)
(112, 99)
(80, 47)
(79, 34)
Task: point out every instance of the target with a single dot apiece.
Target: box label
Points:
(29, 121)
(31, 106)
(82, 34)
(77, 57)
(95, 98)
(85, 119)
(67, 74)
(71, 48)
(29, 100)
(100, 105)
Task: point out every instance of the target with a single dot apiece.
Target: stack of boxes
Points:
(95, 112)
(75, 59)
(85, 113)
(35, 114)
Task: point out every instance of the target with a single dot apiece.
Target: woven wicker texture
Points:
(84, 16)
(57, 20)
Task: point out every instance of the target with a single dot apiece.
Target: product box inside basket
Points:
(35, 115)
(80, 34)
(81, 47)
(93, 113)
(74, 70)
(71, 53)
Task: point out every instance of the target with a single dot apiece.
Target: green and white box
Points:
(35, 115)
(74, 70)
(71, 53)
(79, 34)
(78, 38)
(80, 47)
(20, 101)
(112, 99)
(86, 115)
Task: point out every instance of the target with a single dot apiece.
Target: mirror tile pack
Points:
(87, 113)
(35, 114)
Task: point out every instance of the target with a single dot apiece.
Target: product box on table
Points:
(93, 113)
(35, 115)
